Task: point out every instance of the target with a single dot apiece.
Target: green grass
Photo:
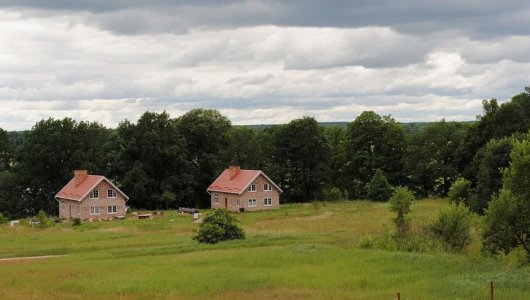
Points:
(300, 251)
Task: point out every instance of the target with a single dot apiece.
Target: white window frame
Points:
(112, 209)
(267, 187)
(216, 198)
(94, 194)
(94, 210)
(252, 203)
(252, 188)
(111, 193)
(238, 202)
(267, 202)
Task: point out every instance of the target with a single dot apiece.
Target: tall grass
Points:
(299, 251)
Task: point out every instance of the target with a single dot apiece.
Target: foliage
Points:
(219, 225)
(205, 133)
(374, 142)
(507, 222)
(487, 165)
(302, 154)
(335, 194)
(3, 219)
(461, 192)
(452, 226)
(76, 221)
(430, 159)
(42, 218)
(152, 162)
(379, 189)
(400, 204)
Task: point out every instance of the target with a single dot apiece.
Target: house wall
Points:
(259, 195)
(82, 209)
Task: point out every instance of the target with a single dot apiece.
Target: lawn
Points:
(300, 251)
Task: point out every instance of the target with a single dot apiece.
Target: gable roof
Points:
(71, 191)
(239, 183)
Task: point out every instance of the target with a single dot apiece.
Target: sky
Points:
(259, 62)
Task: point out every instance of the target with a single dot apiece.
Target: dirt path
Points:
(29, 257)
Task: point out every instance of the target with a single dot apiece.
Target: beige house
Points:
(244, 190)
(90, 197)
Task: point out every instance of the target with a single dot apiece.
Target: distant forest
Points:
(163, 162)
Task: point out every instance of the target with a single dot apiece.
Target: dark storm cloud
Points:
(479, 19)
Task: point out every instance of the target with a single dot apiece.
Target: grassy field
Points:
(297, 252)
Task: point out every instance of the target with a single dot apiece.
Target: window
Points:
(252, 202)
(216, 198)
(267, 201)
(267, 187)
(111, 194)
(238, 203)
(252, 187)
(94, 210)
(94, 194)
(112, 209)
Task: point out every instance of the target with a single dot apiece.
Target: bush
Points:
(452, 227)
(379, 189)
(461, 192)
(3, 219)
(400, 204)
(76, 221)
(220, 225)
(335, 194)
(42, 218)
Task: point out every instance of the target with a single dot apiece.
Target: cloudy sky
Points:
(259, 61)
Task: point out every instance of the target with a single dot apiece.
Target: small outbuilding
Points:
(244, 190)
(90, 197)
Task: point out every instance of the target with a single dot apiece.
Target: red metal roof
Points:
(238, 183)
(78, 192)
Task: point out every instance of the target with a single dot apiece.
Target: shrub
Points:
(461, 192)
(452, 227)
(379, 189)
(76, 221)
(3, 219)
(335, 194)
(220, 225)
(400, 204)
(42, 218)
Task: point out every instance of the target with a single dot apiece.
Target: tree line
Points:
(162, 162)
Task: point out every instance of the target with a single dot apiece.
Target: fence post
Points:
(492, 295)
(398, 296)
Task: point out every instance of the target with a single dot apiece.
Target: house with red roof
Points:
(90, 197)
(244, 190)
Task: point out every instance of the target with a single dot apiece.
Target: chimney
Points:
(79, 176)
(233, 171)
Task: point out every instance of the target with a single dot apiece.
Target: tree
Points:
(375, 142)
(452, 226)
(151, 163)
(507, 221)
(379, 189)
(337, 139)
(6, 151)
(243, 148)
(303, 156)
(430, 158)
(400, 204)
(219, 225)
(51, 150)
(462, 192)
(206, 137)
(487, 165)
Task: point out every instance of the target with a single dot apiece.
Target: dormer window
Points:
(252, 187)
(111, 194)
(94, 194)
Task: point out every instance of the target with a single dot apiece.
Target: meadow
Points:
(302, 251)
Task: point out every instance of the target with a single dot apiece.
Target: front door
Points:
(69, 211)
(226, 202)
